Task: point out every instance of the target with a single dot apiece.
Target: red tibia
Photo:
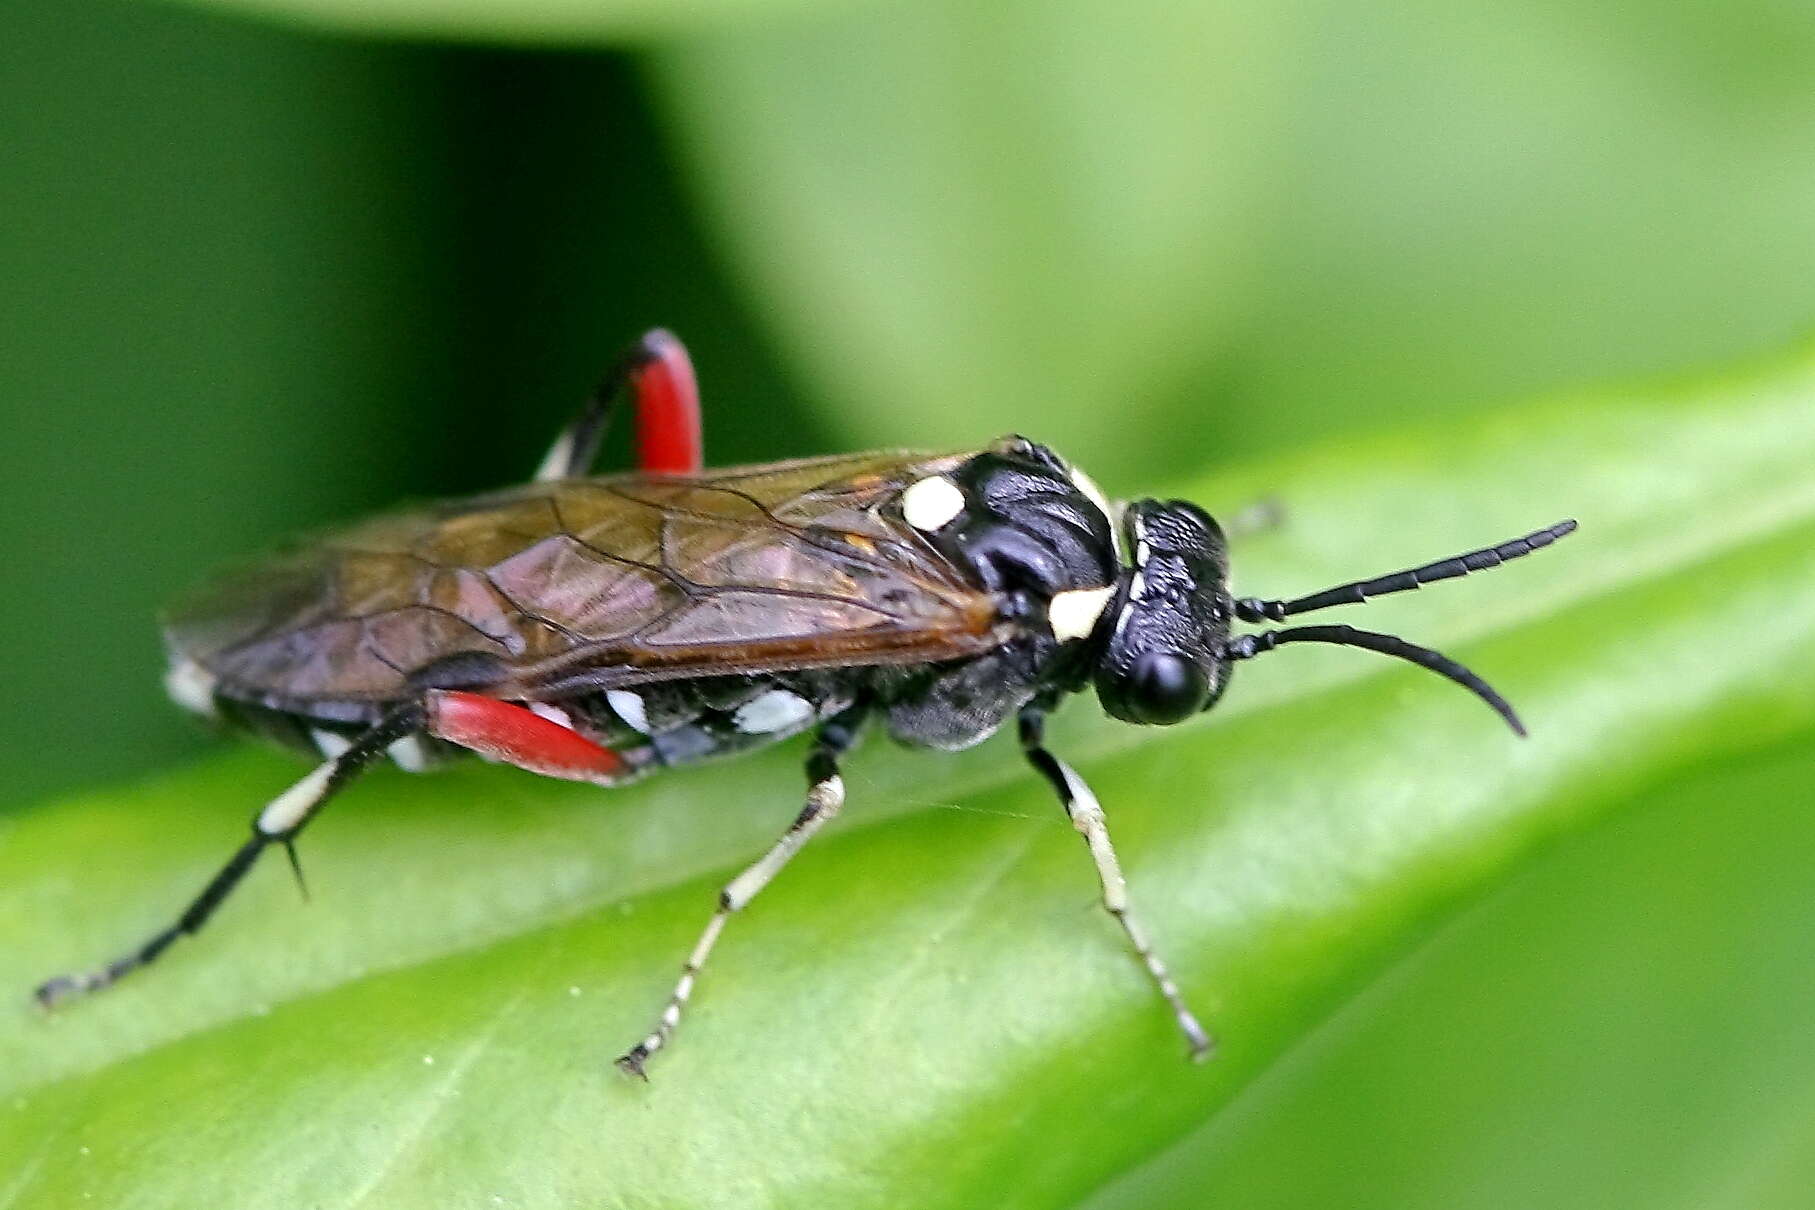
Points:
(518, 736)
(668, 408)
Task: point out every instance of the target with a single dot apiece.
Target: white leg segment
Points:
(1086, 815)
(291, 809)
(557, 463)
(824, 799)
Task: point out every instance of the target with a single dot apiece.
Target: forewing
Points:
(600, 581)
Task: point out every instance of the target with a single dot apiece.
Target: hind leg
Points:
(658, 375)
(282, 819)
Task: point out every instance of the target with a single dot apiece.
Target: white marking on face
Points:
(291, 807)
(191, 686)
(1137, 588)
(775, 710)
(629, 707)
(553, 714)
(408, 754)
(1075, 614)
(330, 743)
(931, 503)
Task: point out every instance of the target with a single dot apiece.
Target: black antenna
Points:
(1248, 646)
(1254, 609)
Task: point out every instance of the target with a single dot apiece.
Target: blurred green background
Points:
(252, 279)
(258, 276)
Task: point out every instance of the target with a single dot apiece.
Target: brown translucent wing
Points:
(588, 583)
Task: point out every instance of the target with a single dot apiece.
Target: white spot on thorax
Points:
(409, 754)
(191, 686)
(931, 503)
(774, 710)
(290, 808)
(629, 707)
(1075, 614)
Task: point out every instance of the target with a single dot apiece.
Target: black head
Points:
(1163, 660)
(1168, 651)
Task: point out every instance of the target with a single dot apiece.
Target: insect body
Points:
(599, 629)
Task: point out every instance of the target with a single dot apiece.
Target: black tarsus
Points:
(1255, 609)
(400, 722)
(1250, 645)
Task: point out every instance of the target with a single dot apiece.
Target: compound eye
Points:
(1165, 688)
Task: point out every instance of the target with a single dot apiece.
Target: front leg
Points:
(825, 795)
(1086, 815)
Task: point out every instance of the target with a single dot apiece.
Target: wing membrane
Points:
(595, 582)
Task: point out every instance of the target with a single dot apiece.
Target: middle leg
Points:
(825, 795)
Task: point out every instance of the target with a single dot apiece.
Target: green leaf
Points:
(1633, 1009)
(927, 1009)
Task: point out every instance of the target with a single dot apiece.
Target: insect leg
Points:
(1086, 815)
(658, 375)
(825, 795)
(278, 823)
(519, 736)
